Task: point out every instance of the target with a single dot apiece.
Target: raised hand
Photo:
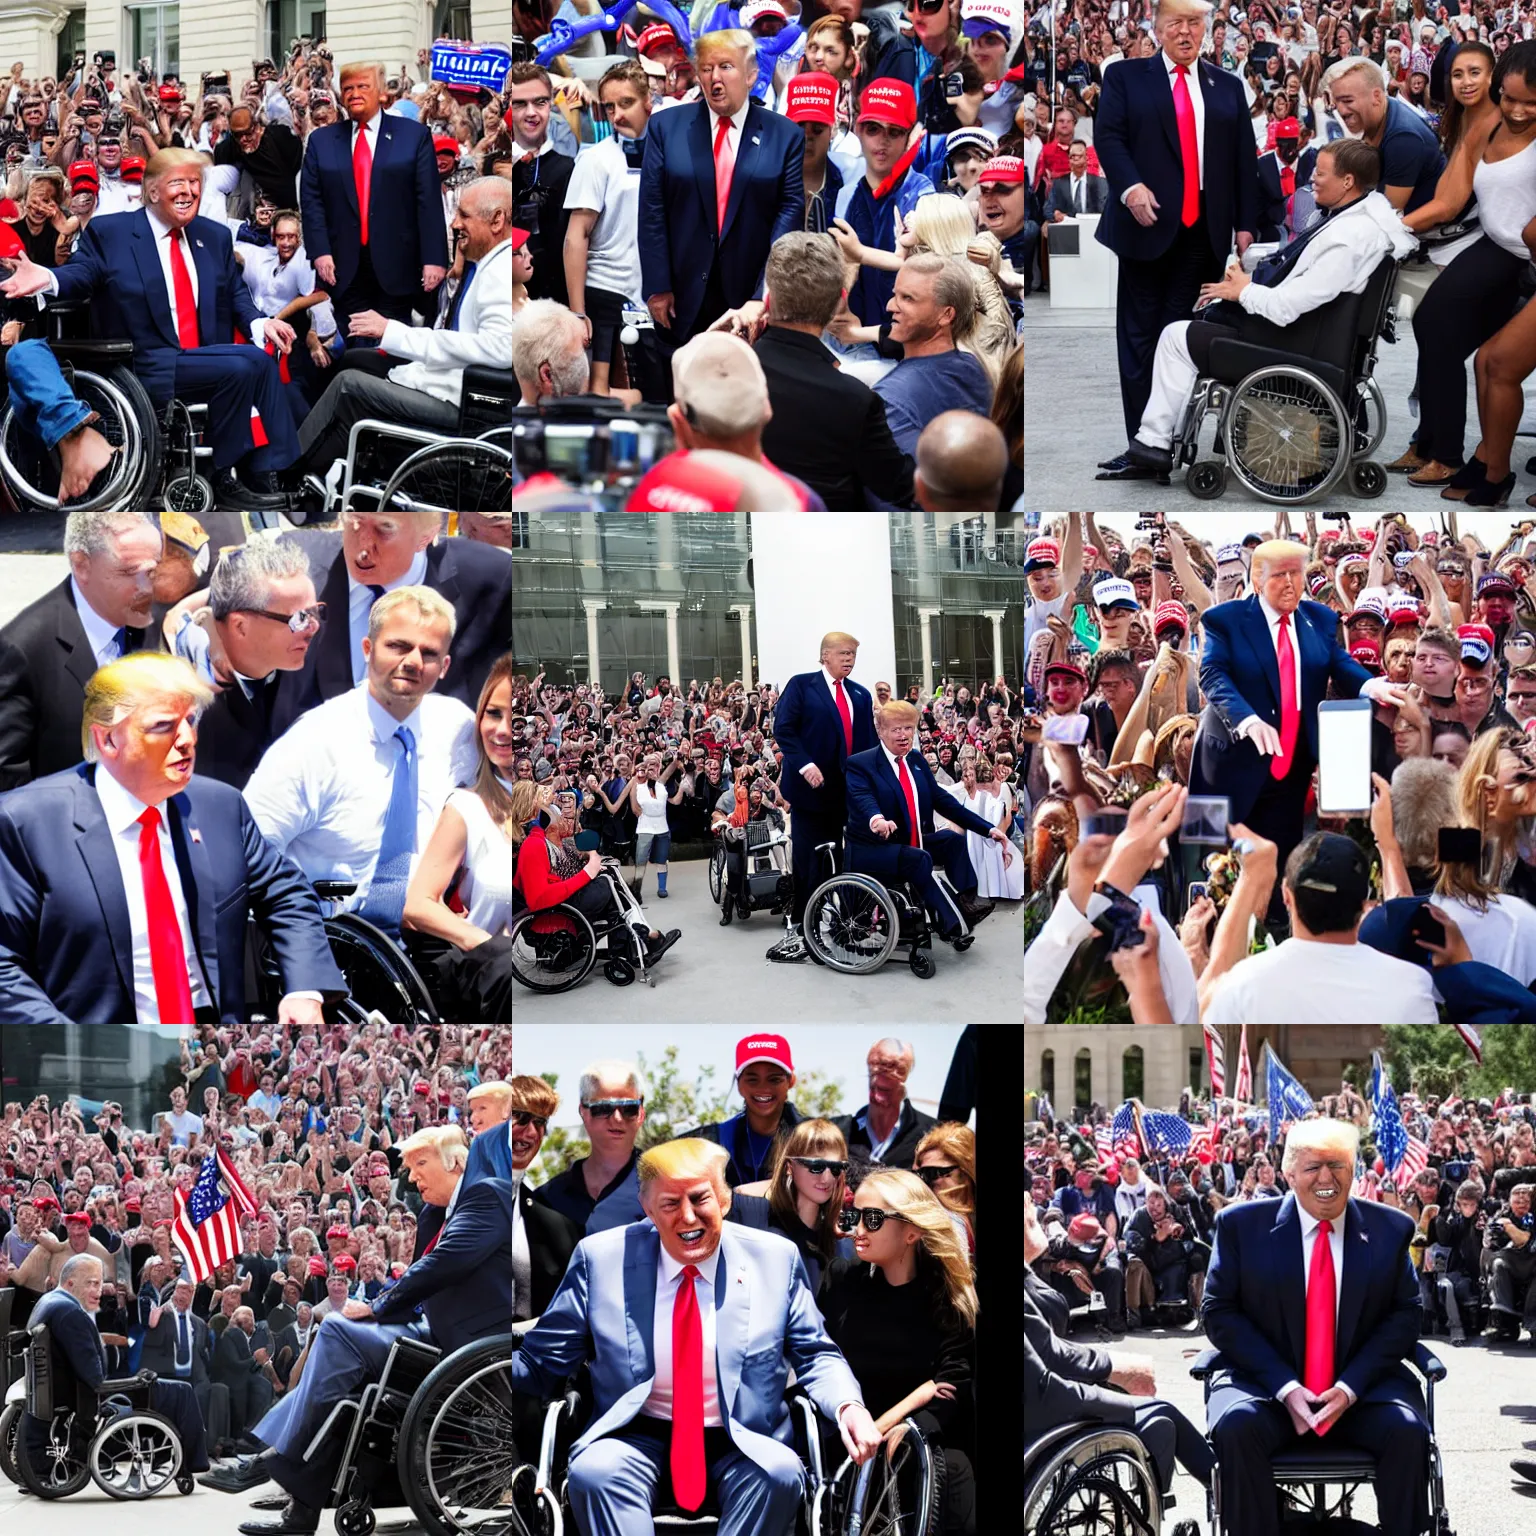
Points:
(27, 277)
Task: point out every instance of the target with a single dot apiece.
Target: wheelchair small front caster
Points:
(355, 1519)
(619, 972)
(185, 1484)
(1206, 480)
(1367, 479)
(922, 964)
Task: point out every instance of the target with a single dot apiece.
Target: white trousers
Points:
(1173, 379)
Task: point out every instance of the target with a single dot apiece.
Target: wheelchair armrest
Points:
(334, 890)
(85, 350)
(1428, 1363)
(569, 1406)
(114, 1384)
(1206, 1363)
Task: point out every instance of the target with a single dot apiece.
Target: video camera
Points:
(599, 448)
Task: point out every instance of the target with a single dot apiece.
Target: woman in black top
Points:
(42, 222)
(904, 1316)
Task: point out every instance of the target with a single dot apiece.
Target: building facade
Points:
(194, 37)
(598, 596)
(130, 1064)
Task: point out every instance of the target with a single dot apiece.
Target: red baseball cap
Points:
(657, 36)
(1367, 653)
(344, 1262)
(132, 1203)
(772, 1048)
(811, 98)
(133, 168)
(83, 173)
(1170, 611)
(337, 1231)
(888, 101)
(425, 1088)
(42, 1202)
(1005, 168)
(519, 238)
(317, 1266)
(78, 1219)
(1069, 669)
(442, 144)
(1288, 128)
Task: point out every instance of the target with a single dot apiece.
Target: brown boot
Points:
(1407, 462)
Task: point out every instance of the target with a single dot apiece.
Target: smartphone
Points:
(1065, 730)
(1104, 824)
(1459, 845)
(1205, 820)
(1343, 756)
(1120, 922)
(1425, 925)
(1197, 889)
(1403, 559)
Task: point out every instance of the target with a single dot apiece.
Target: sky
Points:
(836, 1050)
(1230, 527)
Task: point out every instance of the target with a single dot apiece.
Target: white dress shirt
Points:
(895, 763)
(122, 811)
(360, 603)
(732, 134)
(1196, 100)
(321, 791)
(669, 1274)
(1309, 1231)
(371, 128)
(101, 635)
(274, 284)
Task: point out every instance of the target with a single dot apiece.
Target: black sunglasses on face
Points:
(522, 1117)
(931, 1176)
(819, 1165)
(604, 1109)
(872, 1216)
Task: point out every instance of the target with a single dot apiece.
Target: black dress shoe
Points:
(230, 494)
(1159, 460)
(726, 913)
(272, 1504)
(1126, 468)
(973, 910)
(251, 1473)
(263, 480)
(296, 1520)
(655, 951)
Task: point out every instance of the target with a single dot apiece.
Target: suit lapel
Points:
(153, 277)
(94, 840)
(1286, 1261)
(702, 154)
(79, 659)
(640, 1303)
(207, 287)
(1162, 86)
(196, 886)
(344, 139)
(733, 1308)
(1357, 1256)
(1256, 633)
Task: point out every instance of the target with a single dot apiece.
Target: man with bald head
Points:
(887, 1129)
(961, 461)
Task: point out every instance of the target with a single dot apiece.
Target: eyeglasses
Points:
(927, 7)
(305, 618)
(605, 1109)
(820, 1165)
(523, 1117)
(931, 1176)
(872, 1216)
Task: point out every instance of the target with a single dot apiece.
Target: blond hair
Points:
(1275, 549)
(956, 1144)
(446, 1140)
(907, 1195)
(728, 40)
(362, 66)
(1320, 1136)
(689, 1157)
(164, 161)
(897, 712)
(497, 1094)
(531, 1094)
(122, 687)
(810, 1138)
(428, 603)
(836, 637)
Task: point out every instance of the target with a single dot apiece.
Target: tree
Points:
(1432, 1059)
(674, 1106)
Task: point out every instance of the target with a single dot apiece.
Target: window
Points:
(71, 41)
(1196, 1067)
(1133, 1073)
(156, 37)
(1082, 1081)
(290, 19)
(1048, 1074)
(453, 20)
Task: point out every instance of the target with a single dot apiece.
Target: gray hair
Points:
(805, 279)
(953, 288)
(490, 193)
(549, 332)
(244, 575)
(891, 1046)
(77, 1262)
(592, 1078)
(1351, 65)
(90, 533)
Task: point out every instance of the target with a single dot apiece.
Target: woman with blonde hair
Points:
(904, 1316)
(945, 1161)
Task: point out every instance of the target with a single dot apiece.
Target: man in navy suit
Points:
(126, 883)
(1281, 171)
(721, 181)
(373, 207)
(167, 280)
(1250, 746)
(890, 823)
(1313, 1302)
(821, 720)
(1173, 139)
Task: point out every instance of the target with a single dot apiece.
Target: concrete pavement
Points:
(24, 579)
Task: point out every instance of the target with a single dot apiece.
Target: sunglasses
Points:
(820, 1165)
(931, 1176)
(872, 1216)
(523, 1117)
(604, 1109)
(927, 7)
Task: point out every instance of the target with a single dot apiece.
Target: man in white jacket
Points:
(1336, 255)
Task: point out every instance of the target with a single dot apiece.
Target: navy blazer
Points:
(1240, 676)
(1255, 1307)
(809, 729)
(464, 1286)
(679, 235)
(874, 790)
(74, 1334)
(1136, 135)
(490, 1154)
(66, 952)
(1272, 225)
(405, 205)
(117, 269)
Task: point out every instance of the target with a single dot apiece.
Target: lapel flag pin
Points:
(755, 139)
(198, 243)
(197, 836)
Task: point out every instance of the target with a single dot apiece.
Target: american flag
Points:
(1469, 1033)
(1242, 1090)
(1403, 1155)
(1288, 1100)
(1217, 1057)
(1202, 1142)
(1104, 1144)
(207, 1224)
(1164, 1133)
(1126, 1141)
(1366, 1186)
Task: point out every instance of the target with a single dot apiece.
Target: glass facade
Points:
(962, 570)
(132, 1065)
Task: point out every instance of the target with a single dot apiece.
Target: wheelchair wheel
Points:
(457, 475)
(187, 493)
(379, 974)
(1288, 437)
(10, 1427)
(135, 1455)
(922, 964)
(851, 924)
(354, 1518)
(1206, 480)
(555, 960)
(1370, 418)
(716, 873)
(620, 972)
(1098, 1480)
(1367, 479)
(899, 1495)
(457, 1457)
(60, 1468)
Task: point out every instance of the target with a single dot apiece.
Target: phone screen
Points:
(1065, 730)
(1343, 756)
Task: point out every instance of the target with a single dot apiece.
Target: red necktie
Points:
(362, 172)
(1290, 712)
(1317, 1374)
(847, 714)
(724, 164)
(186, 304)
(1288, 180)
(906, 789)
(1189, 145)
(688, 1477)
(167, 956)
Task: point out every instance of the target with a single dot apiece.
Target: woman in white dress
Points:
(980, 792)
(468, 862)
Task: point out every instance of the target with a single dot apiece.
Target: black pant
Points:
(480, 979)
(366, 292)
(1465, 305)
(1277, 815)
(1150, 295)
(1170, 1436)
(667, 341)
(807, 828)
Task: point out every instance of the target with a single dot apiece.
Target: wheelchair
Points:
(391, 467)
(1304, 1474)
(854, 924)
(108, 1435)
(765, 881)
(1092, 1480)
(1297, 408)
(555, 948)
(160, 463)
(13, 1357)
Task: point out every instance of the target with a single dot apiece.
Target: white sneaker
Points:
(791, 947)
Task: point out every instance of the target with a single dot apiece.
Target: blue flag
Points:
(1288, 1100)
(1164, 1133)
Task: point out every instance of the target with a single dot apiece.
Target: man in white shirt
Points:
(183, 1123)
(282, 285)
(353, 790)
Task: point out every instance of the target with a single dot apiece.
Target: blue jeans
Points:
(43, 402)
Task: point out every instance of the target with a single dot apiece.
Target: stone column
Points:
(924, 614)
(593, 605)
(30, 31)
(745, 610)
(669, 607)
(996, 615)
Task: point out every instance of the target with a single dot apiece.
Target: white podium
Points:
(1083, 272)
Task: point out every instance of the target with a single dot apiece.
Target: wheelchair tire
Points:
(557, 970)
(900, 1496)
(455, 475)
(1272, 449)
(1206, 479)
(354, 1518)
(135, 1455)
(851, 924)
(922, 964)
(456, 1454)
(716, 873)
(186, 1484)
(1367, 479)
(10, 1427)
(1368, 438)
(64, 1470)
(1098, 1477)
(620, 972)
(379, 973)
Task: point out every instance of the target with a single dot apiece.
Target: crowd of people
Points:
(1167, 677)
(811, 222)
(708, 761)
(258, 193)
(229, 724)
(1378, 134)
